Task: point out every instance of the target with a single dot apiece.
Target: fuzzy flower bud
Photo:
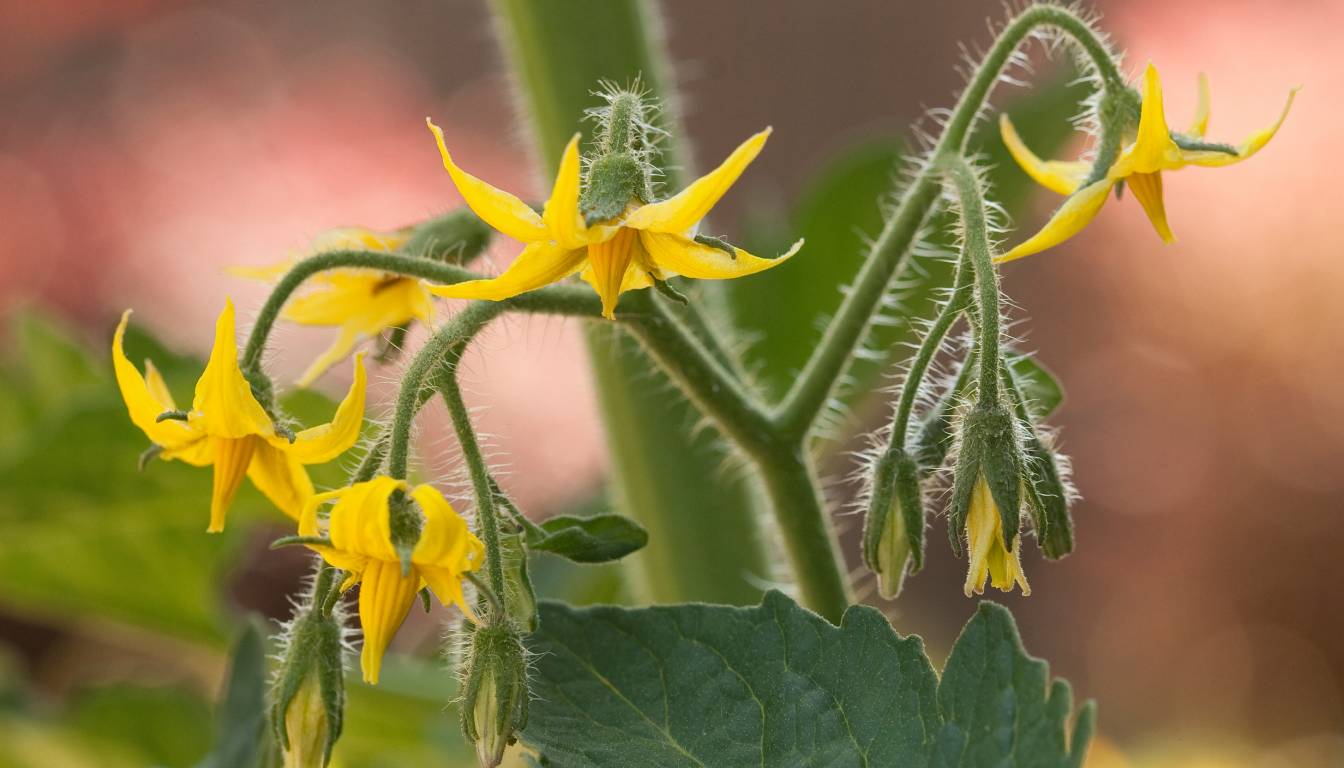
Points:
(307, 727)
(494, 706)
(893, 537)
(309, 693)
(987, 499)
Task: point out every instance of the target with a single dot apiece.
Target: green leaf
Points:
(1040, 389)
(240, 737)
(596, 539)
(776, 685)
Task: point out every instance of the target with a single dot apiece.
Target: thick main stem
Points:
(890, 252)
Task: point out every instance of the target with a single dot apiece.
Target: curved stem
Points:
(805, 400)
(410, 266)
(976, 250)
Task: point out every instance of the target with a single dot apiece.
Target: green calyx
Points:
(620, 171)
(312, 665)
(405, 523)
(893, 532)
(520, 600)
(988, 446)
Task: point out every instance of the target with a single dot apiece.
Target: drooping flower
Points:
(647, 242)
(359, 527)
(991, 558)
(228, 428)
(361, 303)
(1153, 148)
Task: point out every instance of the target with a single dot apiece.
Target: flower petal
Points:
(359, 239)
(282, 479)
(324, 443)
(1246, 149)
(445, 541)
(683, 256)
(359, 522)
(1153, 149)
(539, 264)
(1147, 188)
(496, 207)
(146, 396)
(609, 262)
(1199, 124)
(385, 597)
(345, 342)
(1060, 176)
(224, 405)
(1070, 219)
(232, 457)
(561, 215)
(678, 214)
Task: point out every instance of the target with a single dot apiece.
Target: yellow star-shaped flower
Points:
(227, 428)
(649, 241)
(1154, 148)
(361, 303)
(359, 527)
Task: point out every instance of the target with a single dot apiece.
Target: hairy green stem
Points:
(890, 253)
(976, 250)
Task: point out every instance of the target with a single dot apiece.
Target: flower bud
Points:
(893, 537)
(987, 498)
(495, 702)
(309, 694)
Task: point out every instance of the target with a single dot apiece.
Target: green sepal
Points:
(613, 182)
(149, 454)
(910, 495)
(1192, 144)
(426, 602)
(715, 242)
(1049, 499)
(665, 288)
(595, 539)
(454, 238)
(176, 415)
(405, 523)
(520, 599)
(880, 497)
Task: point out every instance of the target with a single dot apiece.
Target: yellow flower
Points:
(362, 303)
(991, 558)
(1153, 149)
(229, 429)
(359, 527)
(653, 241)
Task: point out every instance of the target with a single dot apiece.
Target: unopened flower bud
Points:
(495, 703)
(987, 499)
(309, 694)
(894, 528)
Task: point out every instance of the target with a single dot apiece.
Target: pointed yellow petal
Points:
(1147, 188)
(359, 239)
(539, 264)
(562, 216)
(224, 405)
(342, 346)
(335, 297)
(268, 274)
(308, 516)
(147, 398)
(322, 444)
(447, 586)
(282, 479)
(200, 452)
(385, 597)
(1247, 148)
(1070, 219)
(610, 261)
(496, 207)
(1199, 125)
(232, 457)
(982, 527)
(678, 214)
(1152, 150)
(446, 541)
(359, 521)
(1056, 175)
(683, 256)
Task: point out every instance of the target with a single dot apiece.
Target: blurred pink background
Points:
(147, 145)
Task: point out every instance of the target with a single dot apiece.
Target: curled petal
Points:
(1199, 124)
(146, 396)
(324, 443)
(282, 479)
(224, 405)
(678, 214)
(1070, 219)
(539, 264)
(1246, 149)
(561, 215)
(359, 522)
(1060, 176)
(1147, 188)
(385, 597)
(496, 207)
(446, 541)
(1153, 149)
(345, 342)
(683, 256)
(231, 460)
